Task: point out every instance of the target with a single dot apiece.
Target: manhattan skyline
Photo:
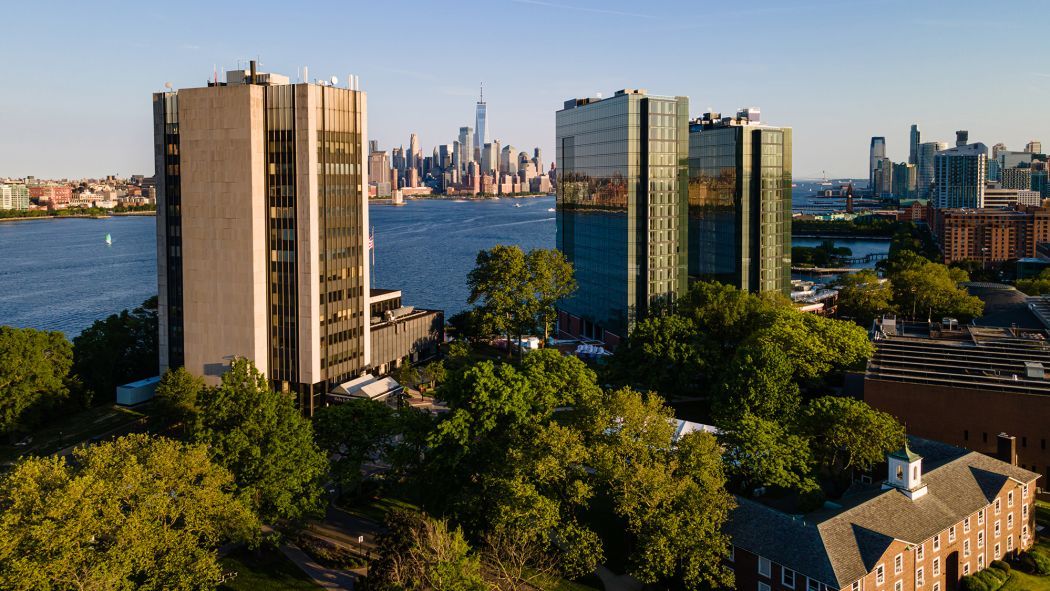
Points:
(837, 73)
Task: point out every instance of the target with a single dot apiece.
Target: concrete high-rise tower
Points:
(481, 133)
(262, 238)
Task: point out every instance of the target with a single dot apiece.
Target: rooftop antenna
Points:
(168, 86)
(481, 99)
(335, 81)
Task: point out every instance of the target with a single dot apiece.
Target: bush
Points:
(989, 579)
(1036, 563)
(1001, 565)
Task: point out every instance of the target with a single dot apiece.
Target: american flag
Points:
(372, 239)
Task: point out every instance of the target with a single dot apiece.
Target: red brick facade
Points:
(1002, 528)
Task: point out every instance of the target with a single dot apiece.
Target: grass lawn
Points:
(1042, 513)
(76, 428)
(269, 569)
(1019, 581)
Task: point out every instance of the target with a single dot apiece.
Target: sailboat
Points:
(109, 240)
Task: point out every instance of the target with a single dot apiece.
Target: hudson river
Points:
(58, 274)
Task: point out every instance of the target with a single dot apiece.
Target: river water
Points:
(59, 274)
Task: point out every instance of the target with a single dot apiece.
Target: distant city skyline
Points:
(73, 106)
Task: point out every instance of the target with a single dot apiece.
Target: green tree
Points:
(932, 289)
(352, 433)
(420, 553)
(136, 513)
(864, 297)
(261, 437)
(501, 284)
(765, 452)
(760, 381)
(119, 349)
(667, 348)
(1035, 285)
(34, 368)
(551, 279)
(177, 397)
(670, 494)
(848, 434)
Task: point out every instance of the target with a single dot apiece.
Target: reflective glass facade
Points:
(740, 206)
(621, 206)
(169, 228)
(341, 204)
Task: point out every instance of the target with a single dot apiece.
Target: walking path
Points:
(614, 582)
(326, 578)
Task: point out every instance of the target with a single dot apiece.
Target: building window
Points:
(936, 542)
(920, 551)
(763, 566)
(787, 577)
(980, 561)
(919, 580)
(1024, 491)
(980, 538)
(1024, 515)
(998, 506)
(898, 564)
(880, 575)
(966, 525)
(1010, 499)
(951, 534)
(966, 568)
(898, 586)
(1024, 533)
(763, 586)
(996, 529)
(936, 566)
(813, 585)
(997, 553)
(855, 586)
(1009, 543)
(966, 547)
(936, 587)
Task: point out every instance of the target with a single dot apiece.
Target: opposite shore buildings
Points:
(262, 234)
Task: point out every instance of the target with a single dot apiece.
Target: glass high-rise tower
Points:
(621, 208)
(481, 134)
(261, 230)
(740, 203)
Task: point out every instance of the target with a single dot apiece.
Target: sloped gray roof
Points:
(839, 546)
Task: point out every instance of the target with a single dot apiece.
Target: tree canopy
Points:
(136, 513)
(119, 349)
(863, 297)
(260, 436)
(34, 371)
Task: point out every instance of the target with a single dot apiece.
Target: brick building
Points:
(990, 235)
(54, 195)
(943, 512)
(964, 385)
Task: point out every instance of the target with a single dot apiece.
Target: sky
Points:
(77, 76)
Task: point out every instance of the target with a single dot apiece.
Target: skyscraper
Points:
(261, 230)
(481, 135)
(508, 159)
(913, 145)
(924, 167)
(740, 203)
(466, 148)
(415, 156)
(876, 152)
(621, 208)
(1034, 147)
(959, 176)
(962, 137)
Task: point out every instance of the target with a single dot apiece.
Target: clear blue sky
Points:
(77, 76)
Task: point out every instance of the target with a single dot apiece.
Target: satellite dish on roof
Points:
(168, 85)
(335, 81)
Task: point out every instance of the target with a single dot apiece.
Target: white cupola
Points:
(905, 473)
